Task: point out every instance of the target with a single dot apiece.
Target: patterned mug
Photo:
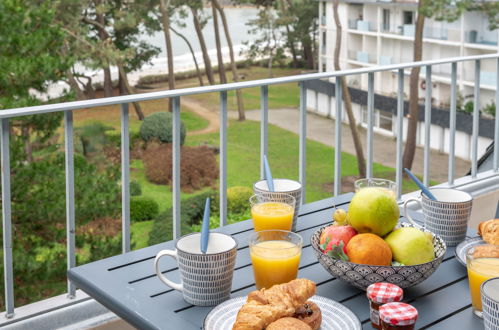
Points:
(447, 216)
(206, 279)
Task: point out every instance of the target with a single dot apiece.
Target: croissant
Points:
(268, 305)
(489, 230)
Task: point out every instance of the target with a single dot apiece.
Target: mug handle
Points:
(408, 216)
(171, 284)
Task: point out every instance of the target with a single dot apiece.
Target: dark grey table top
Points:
(127, 285)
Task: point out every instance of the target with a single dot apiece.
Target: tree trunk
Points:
(108, 82)
(28, 147)
(221, 68)
(206, 58)
(239, 96)
(165, 19)
(200, 75)
(128, 90)
(361, 162)
(73, 83)
(412, 126)
(308, 54)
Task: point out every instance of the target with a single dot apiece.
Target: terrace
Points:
(76, 309)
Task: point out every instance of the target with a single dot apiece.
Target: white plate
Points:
(335, 316)
(464, 246)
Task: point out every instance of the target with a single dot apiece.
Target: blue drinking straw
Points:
(205, 229)
(268, 174)
(420, 185)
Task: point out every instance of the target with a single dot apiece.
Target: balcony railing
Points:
(123, 101)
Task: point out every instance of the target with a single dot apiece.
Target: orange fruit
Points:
(369, 249)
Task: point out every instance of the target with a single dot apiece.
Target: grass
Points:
(140, 233)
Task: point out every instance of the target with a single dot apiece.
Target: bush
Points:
(490, 109)
(199, 167)
(143, 208)
(135, 188)
(191, 212)
(159, 126)
(238, 199)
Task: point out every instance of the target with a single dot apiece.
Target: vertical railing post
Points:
(303, 141)
(337, 138)
(370, 125)
(427, 127)
(7, 224)
(70, 196)
(176, 168)
(264, 126)
(223, 158)
(400, 128)
(476, 119)
(496, 126)
(125, 179)
(452, 123)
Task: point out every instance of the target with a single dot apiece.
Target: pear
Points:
(410, 246)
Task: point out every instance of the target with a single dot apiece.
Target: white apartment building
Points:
(382, 33)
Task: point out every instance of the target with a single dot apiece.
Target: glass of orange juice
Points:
(479, 270)
(272, 211)
(275, 255)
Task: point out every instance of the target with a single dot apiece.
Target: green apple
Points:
(373, 210)
(410, 246)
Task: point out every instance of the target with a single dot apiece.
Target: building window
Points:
(324, 67)
(408, 17)
(386, 19)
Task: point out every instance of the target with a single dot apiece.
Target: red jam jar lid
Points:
(398, 313)
(384, 293)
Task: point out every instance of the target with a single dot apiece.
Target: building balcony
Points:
(362, 25)
(75, 309)
(477, 38)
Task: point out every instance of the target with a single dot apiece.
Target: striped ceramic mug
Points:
(447, 216)
(206, 279)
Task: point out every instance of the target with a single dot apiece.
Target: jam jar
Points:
(398, 315)
(379, 294)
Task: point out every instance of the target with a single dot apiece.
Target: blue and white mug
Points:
(206, 279)
(447, 216)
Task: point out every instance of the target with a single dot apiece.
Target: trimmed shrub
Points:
(135, 188)
(199, 167)
(238, 199)
(159, 126)
(191, 212)
(143, 208)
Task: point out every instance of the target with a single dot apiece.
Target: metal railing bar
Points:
(427, 127)
(476, 118)
(303, 141)
(496, 123)
(337, 138)
(125, 179)
(223, 159)
(370, 125)
(452, 123)
(264, 119)
(400, 127)
(225, 87)
(7, 222)
(70, 196)
(176, 168)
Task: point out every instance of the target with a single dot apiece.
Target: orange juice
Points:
(480, 270)
(272, 215)
(274, 262)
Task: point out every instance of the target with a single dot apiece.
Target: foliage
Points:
(96, 192)
(490, 109)
(199, 166)
(135, 188)
(238, 199)
(143, 208)
(191, 213)
(159, 126)
(92, 137)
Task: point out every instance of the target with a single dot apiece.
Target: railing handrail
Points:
(76, 105)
